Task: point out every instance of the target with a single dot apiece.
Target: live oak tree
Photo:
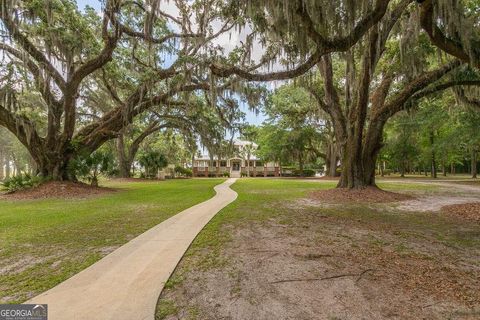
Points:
(377, 81)
(127, 150)
(52, 49)
(54, 64)
(376, 89)
(454, 27)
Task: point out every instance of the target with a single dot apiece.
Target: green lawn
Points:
(44, 242)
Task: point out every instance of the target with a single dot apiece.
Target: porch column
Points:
(194, 168)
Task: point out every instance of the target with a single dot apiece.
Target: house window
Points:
(223, 163)
(214, 163)
(259, 163)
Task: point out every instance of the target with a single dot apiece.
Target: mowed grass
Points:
(44, 242)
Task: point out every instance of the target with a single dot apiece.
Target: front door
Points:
(236, 166)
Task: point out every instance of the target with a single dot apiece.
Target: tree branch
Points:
(439, 39)
(447, 85)
(28, 46)
(324, 46)
(40, 82)
(397, 102)
(152, 128)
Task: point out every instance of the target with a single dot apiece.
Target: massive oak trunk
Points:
(51, 154)
(361, 147)
(360, 158)
(53, 163)
(357, 172)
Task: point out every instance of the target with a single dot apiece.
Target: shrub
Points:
(152, 161)
(91, 165)
(305, 173)
(226, 174)
(309, 173)
(22, 181)
(183, 171)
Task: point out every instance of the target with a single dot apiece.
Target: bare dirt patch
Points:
(434, 203)
(449, 194)
(58, 189)
(367, 195)
(467, 211)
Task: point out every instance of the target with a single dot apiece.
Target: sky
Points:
(228, 41)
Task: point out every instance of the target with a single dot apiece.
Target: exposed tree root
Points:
(358, 275)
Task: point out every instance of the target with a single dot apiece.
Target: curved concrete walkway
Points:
(125, 284)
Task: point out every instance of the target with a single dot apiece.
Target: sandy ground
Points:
(453, 193)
